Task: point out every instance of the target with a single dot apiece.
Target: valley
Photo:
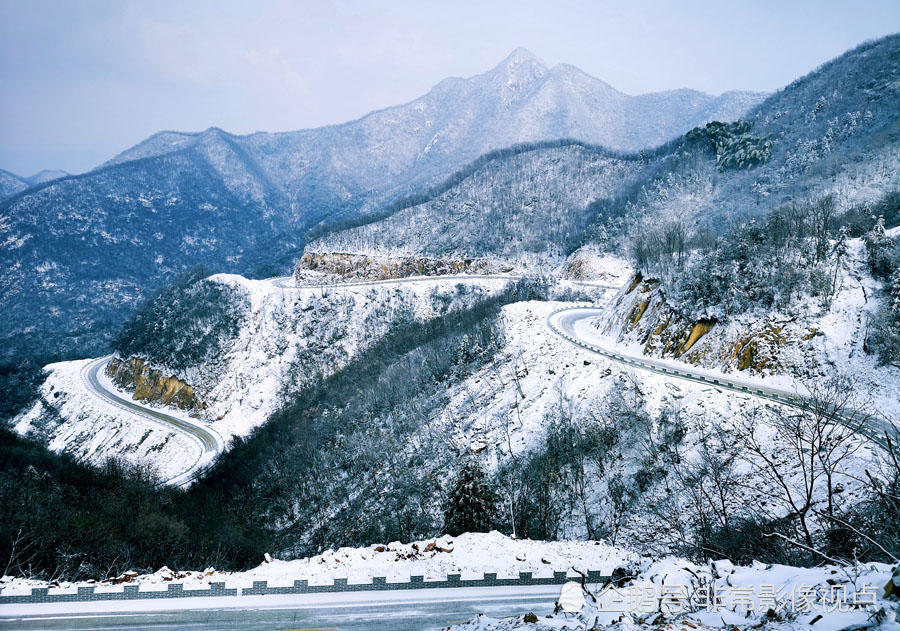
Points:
(524, 323)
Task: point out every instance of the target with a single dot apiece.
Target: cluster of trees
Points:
(185, 323)
(772, 488)
(800, 513)
(63, 519)
(796, 250)
(734, 146)
(884, 263)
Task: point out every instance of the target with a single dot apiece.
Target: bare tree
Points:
(799, 463)
(708, 485)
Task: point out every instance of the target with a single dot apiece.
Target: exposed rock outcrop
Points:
(342, 267)
(146, 384)
(640, 314)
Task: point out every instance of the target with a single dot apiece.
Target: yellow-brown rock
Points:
(146, 384)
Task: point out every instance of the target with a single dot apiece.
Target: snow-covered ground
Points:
(470, 555)
(672, 593)
(590, 265)
(70, 417)
(290, 336)
(504, 412)
(667, 592)
(793, 349)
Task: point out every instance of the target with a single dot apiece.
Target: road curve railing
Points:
(209, 442)
(561, 322)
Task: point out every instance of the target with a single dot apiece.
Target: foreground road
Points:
(573, 324)
(415, 610)
(210, 443)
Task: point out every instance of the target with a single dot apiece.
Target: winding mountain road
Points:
(209, 442)
(573, 324)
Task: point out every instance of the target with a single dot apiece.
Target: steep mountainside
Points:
(77, 252)
(520, 206)
(230, 352)
(68, 279)
(834, 132)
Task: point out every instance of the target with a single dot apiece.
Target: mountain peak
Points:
(521, 67)
(520, 61)
(521, 55)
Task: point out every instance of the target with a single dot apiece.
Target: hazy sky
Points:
(83, 79)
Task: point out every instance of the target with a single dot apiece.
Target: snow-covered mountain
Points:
(834, 132)
(78, 252)
(527, 205)
(46, 175)
(263, 343)
(10, 184)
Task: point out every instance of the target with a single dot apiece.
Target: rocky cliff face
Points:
(764, 345)
(146, 384)
(339, 266)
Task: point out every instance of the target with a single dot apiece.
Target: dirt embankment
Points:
(640, 314)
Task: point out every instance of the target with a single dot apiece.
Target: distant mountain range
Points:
(10, 183)
(79, 252)
(834, 132)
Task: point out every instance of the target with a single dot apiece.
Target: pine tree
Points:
(471, 505)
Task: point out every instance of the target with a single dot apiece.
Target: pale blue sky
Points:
(83, 79)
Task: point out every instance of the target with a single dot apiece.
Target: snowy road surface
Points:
(211, 444)
(413, 610)
(573, 324)
(288, 282)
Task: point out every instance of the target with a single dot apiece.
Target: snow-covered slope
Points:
(46, 175)
(532, 206)
(801, 343)
(831, 133)
(69, 418)
(91, 246)
(10, 184)
(288, 338)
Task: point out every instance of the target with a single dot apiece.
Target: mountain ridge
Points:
(833, 131)
(509, 66)
(273, 187)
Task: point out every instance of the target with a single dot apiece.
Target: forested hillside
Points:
(79, 253)
(532, 203)
(835, 132)
(10, 184)
(69, 277)
(761, 220)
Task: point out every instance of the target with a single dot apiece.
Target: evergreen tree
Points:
(471, 505)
